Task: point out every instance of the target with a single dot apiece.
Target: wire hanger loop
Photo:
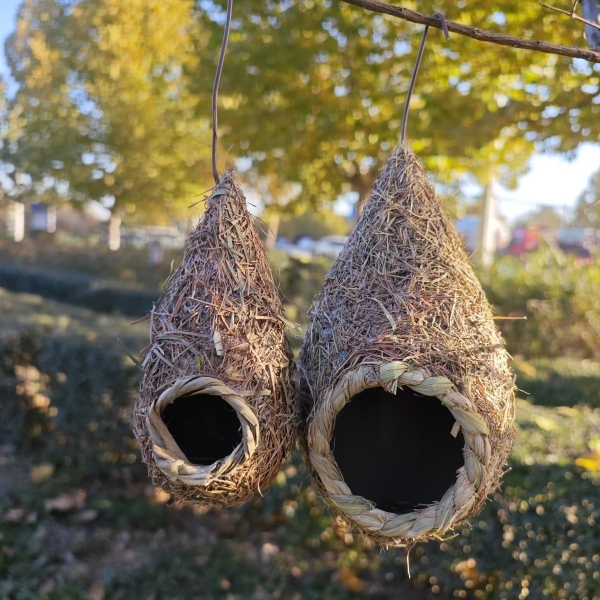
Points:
(215, 94)
(411, 87)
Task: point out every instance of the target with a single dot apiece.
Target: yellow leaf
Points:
(590, 462)
(545, 423)
(350, 580)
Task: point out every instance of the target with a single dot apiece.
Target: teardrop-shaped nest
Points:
(402, 324)
(215, 412)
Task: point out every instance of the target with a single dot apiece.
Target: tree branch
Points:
(571, 14)
(477, 34)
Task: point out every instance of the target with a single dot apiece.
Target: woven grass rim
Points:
(434, 520)
(168, 456)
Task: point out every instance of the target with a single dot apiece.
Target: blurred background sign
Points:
(42, 217)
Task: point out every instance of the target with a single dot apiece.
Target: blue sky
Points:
(552, 180)
(8, 14)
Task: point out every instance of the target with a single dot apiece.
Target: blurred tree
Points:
(314, 225)
(103, 108)
(546, 217)
(313, 91)
(587, 209)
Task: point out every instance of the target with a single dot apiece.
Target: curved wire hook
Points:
(215, 94)
(440, 16)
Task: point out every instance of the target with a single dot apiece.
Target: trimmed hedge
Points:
(559, 381)
(78, 289)
(298, 280)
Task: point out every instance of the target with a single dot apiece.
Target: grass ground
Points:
(79, 519)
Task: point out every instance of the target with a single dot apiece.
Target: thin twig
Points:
(572, 14)
(215, 95)
(413, 79)
(475, 33)
(509, 318)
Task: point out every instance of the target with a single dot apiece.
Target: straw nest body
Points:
(401, 306)
(218, 330)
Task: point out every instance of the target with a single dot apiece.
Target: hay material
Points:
(218, 330)
(401, 307)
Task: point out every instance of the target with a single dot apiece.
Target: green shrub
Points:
(559, 296)
(314, 225)
(559, 381)
(299, 281)
(68, 387)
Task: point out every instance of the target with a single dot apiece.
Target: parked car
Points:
(579, 241)
(139, 237)
(469, 228)
(524, 239)
(294, 250)
(330, 246)
(305, 243)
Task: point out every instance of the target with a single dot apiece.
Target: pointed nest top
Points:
(219, 329)
(401, 306)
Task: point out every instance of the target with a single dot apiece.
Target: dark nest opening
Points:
(205, 427)
(397, 450)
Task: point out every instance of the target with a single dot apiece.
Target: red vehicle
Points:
(524, 239)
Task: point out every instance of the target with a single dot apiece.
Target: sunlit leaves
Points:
(326, 83)
(104, 101)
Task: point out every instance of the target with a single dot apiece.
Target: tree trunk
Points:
(591, 12)
(487, 249)
(361, 184)
(272, 221)
(114, 231)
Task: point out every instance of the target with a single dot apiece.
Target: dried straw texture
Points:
(401, 306)
(219, 329)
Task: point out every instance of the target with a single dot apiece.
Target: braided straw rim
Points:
(168, 456)
(435, 519)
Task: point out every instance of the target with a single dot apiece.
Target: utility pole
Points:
(114, 231)
(487, 231)
(17, 220)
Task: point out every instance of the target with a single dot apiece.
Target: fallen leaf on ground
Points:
(14, 515)
(591, 462)
(65, 502)
(96, 591)
(350, 580)
(87, 516)
(41, 472)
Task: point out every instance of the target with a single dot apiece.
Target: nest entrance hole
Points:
(397, 450)
(205, 427)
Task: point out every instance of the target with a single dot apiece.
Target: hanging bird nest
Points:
(215, 410)
(409, 404)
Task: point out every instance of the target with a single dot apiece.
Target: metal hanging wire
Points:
(215, 94)
(440, 16)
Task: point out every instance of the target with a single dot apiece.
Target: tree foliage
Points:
(114, 96)
(314, 91)
(313, 225)
(104, 101)
(587, 209)
(546, 217)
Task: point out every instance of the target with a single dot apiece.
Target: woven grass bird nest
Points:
(214, 415)
(410, 402)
